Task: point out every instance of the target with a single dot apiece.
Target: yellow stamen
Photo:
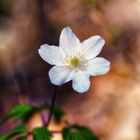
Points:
(74, 61)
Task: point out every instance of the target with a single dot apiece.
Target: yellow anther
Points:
(74, 61)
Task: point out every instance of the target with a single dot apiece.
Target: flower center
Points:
(74, 61)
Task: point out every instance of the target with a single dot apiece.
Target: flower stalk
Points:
(52, 107)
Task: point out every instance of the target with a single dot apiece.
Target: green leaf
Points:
(87, 133)
(77, 136)
(25, 111)
(18, 130)
(69, 134)
(41, 134)
(66, 134)
(18, 112)
(22, 138)
(78, 133)
(58, 113)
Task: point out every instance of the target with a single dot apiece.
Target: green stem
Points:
(52, 107)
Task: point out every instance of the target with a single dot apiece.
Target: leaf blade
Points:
(18, 130)
(41, 134)
(77, 132)
(17, 112)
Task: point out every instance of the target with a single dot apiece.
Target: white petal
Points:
(80, 82)
(92, 46)
(98, 66)
(51, 54)
(68, 41)
(60, 75)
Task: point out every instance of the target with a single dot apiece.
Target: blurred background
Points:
(111, 106)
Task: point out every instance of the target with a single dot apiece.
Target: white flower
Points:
(75, 60)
